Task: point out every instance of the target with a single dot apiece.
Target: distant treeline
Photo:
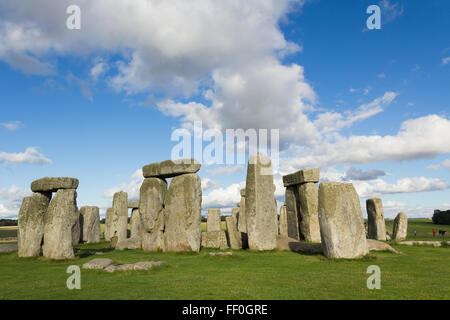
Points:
(8, 222)
(441, 217)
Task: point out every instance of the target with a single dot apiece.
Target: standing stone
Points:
(375, 218)
(235, 215)
(151, 210)
(119, 223)
(135, 224)
(308, 196)
(76, 229)
(292, 212)
(214, 240)
(62, 215)
(400, 230)
(234, 236)
(213, 222)
(242, 221)
(283, 226)
(108, 224)
(90, 224)
(341, 221)
(260, 208)
(31, 224)
(183, 206)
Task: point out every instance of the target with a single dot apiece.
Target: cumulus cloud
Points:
(132, 188)
(445, 60)
(390, 11)
(358, 174)
(11, 126)
(443, 165)
(11, 201)
(225, 170)
(31, 156)
(208, 184)
(222, 197)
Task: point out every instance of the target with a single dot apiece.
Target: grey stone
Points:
(308, 196)
(119, 221)
(375, 218)
(242, 192)
(423, 243)
(289, 244)
(8, 247)
(151, 210)
(31, 224)
(213, 222)
(183, 206)
(61, 216)
(135, 224)
(108, 224)
(133, 204)
(76, 229)
(53, 184)
(130, 243)
(260, 208)
(375, 245)
(400, 227)
(90, 224)
(341, 221)
(98, 264)
(171, 168)
(282, 222)
(220, 254)
(302, 176)
(235, 215)
(242, 221)
(292, 212)
(234, 236)
(214, 240)
(146, 265)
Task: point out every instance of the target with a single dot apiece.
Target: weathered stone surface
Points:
(375, 219)
(147, 265)
(135, 224)
(234, 236)
(138, 266)
(108, 224)
(242, 192)
(423, 243)
(133, 204)
(235, 215)
(90, 224)
(214, 240)
(292, 212)
(375, 245)
(220, 254)
(171, 168)
(341, 221)
(53, 184)
(114, 241)
(119, 223)
(61, 216)
(151, 210)
(8, 247)
(242, 221)
(98, 264)
(260, 208)
(130, 243)
(76, 229)
(400, 230)
(302, 176)
(183, 205)
(213, 222)
(31, 224)
(289, 244)
(282, 222)
(308, 196)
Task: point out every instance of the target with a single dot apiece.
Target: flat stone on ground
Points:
(171, 168)
(99, 263)
(8, 247)
(53, 184)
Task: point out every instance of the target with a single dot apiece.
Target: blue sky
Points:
(366, 106)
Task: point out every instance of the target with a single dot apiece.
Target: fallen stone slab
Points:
(171, 168)
(53, 184)
(375, 245)
(146, 265)
(138, 266)
(99, 263)
(422, 243)
(8, 247)
(133, 205)
(302, 176)
(213, 254)
(289, 244)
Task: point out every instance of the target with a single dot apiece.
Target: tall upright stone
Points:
(341, 221)
(213, 222)
(108, 224)
(135, 223)
(235, 215)
(61, 216)
(151, 210)
(242, 221)
(90, 224)
(119, 223)
(260, 208)
(234, 236)
(292, 205)
(31, 224)
(309, 212)
(76, 229)
(400, 230)
(283, 226)
(375, 218)
(183, 205)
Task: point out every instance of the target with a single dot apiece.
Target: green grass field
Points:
(420, 273)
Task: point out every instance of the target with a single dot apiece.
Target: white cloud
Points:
(392, 208)
(99, 68)
(445, 60)
(132, 188)
(390, 11)
(208, 184)
(222, 197)
(31, 156)
(443, 165)
(381, 75)
(11, 201)
(358, 174)
(225, 170)
(11, 126)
